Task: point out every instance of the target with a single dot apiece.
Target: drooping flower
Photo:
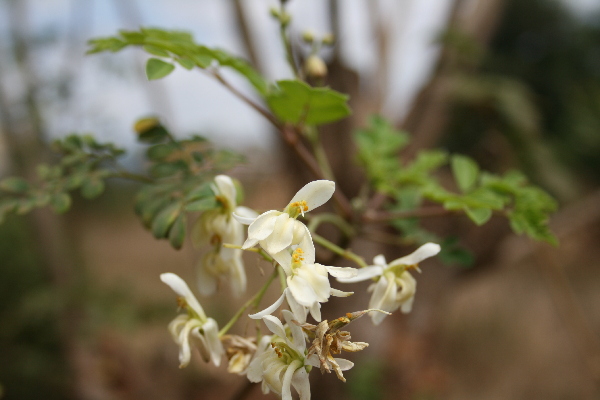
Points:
(239, 352)
(215, 227)
(283, 364)
(395, 287)
(275, 231)
(329, 339)
(193, 326)
(307, 283)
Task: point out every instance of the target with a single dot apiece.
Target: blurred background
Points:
(512, 83)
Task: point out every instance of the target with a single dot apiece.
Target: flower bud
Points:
(315, 67)
(328, 39)
(308, 37)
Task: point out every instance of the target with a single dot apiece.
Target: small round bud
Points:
(328, 39)
(308, 36)
(285, 18)
(315, 67)
(274, 12)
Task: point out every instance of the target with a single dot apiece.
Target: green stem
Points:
(319, 151)
(338, 250)
(287, 45)
(253, 301)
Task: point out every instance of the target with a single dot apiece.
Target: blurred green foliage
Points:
(33, 365)
(538, 82)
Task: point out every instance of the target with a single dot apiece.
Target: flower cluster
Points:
(284, 359)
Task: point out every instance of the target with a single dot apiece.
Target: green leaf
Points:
(177, 232)
(150, 130)
(161, 151)
(60, 202)
(165, 219)
(202, 205)
(478, 215)
(156, 51)
(296, 102)
(92, 188)
(465, 172)
(185, 63)
(156, 69)
(14, 185)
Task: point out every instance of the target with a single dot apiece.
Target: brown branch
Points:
(291, 136)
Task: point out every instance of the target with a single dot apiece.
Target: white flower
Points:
(275, 231)
(283, 364)
(194, 325)
(395, 287)
(307, 283)
(216, 227)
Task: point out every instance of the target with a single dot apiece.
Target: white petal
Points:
(284, 258)
(207, 282)
(237, 276)
(313, 360)
(315, 311)
(305, 242)
(301, 383)
(423, 252)
(342, 272)
(185, 352)
(297, 333)
(363, 274)
(263, 225)
(380, 260)
(302, 291)
(211, 334)
(344, 364)
(226, 189)
(286, 389)
(298, 310)
(275, 326)
(280, 236)
(383, 298)
(243, 219)
(315, 193)
(269, 309)
(339, 293)
(182, 289)
(245, 212)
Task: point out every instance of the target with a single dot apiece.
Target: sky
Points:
(110, 91)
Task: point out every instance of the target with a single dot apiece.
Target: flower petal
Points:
(226, 189)
(344, 364)
(302, 290)
(363, 274)
(315, 193)
(300, 312)
(423, 252)
(297, 333)
(339, 293)
(286, 385)
(268, 310)
(281, 235)
(211, 334)
(342, 272)
(301, 383)
(207, 282)
(263, 225)
(315, 311)
(182, 289)
(383, 298)
(380, 260)
(242, 218)
(275, 326)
